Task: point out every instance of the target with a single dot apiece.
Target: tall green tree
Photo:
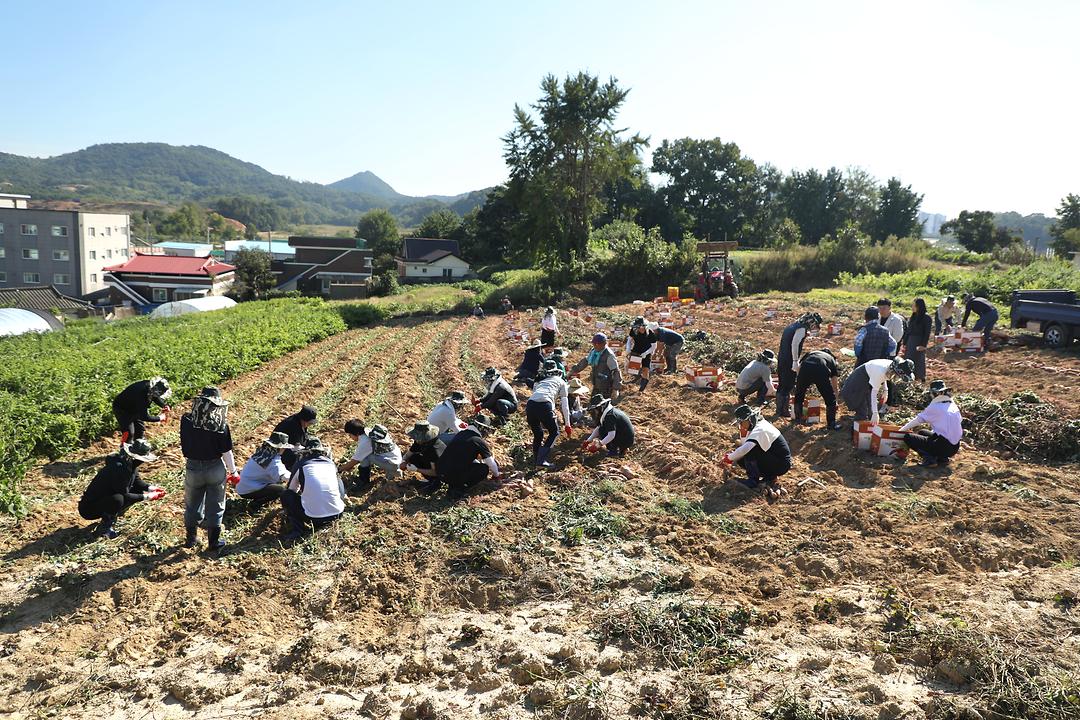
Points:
(253, 278)
(975, 231)
(560, 161)
(864, 193)
(379, 228)
(817, 203)
(1068, 219)
(187, 221)
(713, 182)
(490, 236)
(897, 212)
(440, 224)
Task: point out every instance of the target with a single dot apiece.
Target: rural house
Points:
(148, 280)
(428, 260)
(332, 267)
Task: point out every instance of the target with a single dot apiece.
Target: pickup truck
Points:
(1054, 313)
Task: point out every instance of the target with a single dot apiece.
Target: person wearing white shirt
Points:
(264, 475)
(315, 496)
(444, 416)
(764, 453)
(540, 411)
(756, 377)
(549, 327)
(893, 322)
(374, 447)
(866, 387)
(946, 428)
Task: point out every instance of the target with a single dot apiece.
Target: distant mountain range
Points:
(170, 174)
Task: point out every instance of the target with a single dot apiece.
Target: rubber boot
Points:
(214, 543)
(782, 408)
(798, 413)
(830, 417)
(192, 537)
(642, 383)
(105, 527)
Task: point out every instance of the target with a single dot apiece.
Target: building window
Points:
(448, 272)
(2, 253)
(59, 231)
(124, 252)
(160, 294)
(108, 253)
(29, 254)
(31, 278)
(93, 232)
(1, 228)
(61, 279)
(423, 269)
(108, 231)
(29, 229)
(61, 255)
(93, 254)
(3, 277)
(93, 277)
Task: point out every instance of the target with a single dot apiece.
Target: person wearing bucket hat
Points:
(132, 406)
(263, 476)
(818, 368)
(605, 374)
(550, 390)
(558, 356)
(531, 361)
(641, 342)
(756, 377)
(423, 456)
(787, 360)
(117, 486)
(315, 496)
(578, 396)
(946, 427)
(613, 432)
(764, 453)
(549, 327)
(867, 386)
(445, 414)
(374, 447)
(296, 427)
(499, 399)
(467, 459)
(206, 443)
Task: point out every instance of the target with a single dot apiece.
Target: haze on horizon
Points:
(972, 103)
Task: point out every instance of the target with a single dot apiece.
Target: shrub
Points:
(360, 314)
(1015, 253)
(627, 258)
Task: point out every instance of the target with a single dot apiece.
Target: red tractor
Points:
(716, 279)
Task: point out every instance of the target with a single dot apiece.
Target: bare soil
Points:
(418, 608)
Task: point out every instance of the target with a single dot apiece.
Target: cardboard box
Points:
(673, 293)
(668, 324)
(665, 314)
(687, 321)
(514, 334)
(835, 328)
(704, 377)
(972, 341)
(888, 441)
(633, 365)
(770, 314)
(861, 434)
(600, 324)
(687, 301)
(813, 409)
(776, 384)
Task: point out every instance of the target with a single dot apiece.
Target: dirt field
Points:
(653, 587)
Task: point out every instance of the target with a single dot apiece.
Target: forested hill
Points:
(172, 174)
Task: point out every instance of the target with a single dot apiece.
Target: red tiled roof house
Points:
(155, 279)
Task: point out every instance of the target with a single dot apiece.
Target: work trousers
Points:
(822, 381)
(382, 460)
(931, 446)
(671, 355)
(133, 426)
(547, 337)
(919, 358)
(499, 408)
(786, 378)
(458, 483)
(294, 510)
(108, 506)
(267, 492)
(204, 493)
(758, 386)
(541, 416)
(759, 465)
(986, 323)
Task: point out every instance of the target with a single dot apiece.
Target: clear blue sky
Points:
(975, 104)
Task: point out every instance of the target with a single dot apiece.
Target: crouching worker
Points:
(756, 377)
(467, 459)
(117, 486)
(264, 475)
(206, 442)
(374, 446)
(946, 428)
(132, 407)
(445, 415)
(531, 361)
(423, 456)
(614, 431)
(578, 396)
(866, 388)
(818, 368)
(500, 399)
(315, 496)
(764, 454)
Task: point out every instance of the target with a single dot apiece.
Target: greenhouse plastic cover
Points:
(14, 321)
(183, 307)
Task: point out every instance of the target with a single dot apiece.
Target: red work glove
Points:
(462, 424)
(165, 414)
(569, 431)
(154, 493)
(726, 460)
(233, 479)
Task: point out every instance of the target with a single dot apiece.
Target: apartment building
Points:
(65, 248)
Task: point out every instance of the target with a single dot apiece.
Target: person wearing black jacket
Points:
(791, 349)
(918, 337)
(530, 364)
(642, 343)
(500, 399)
(988, 316)
(467, 459)
(296, 427)
(117, 486)
(818, 368)
(206, 442)
(132, 406)
(423, 456)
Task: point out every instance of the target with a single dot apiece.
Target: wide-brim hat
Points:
(279, 441)
(577, 387)
(482, 422)
(902, 367)
(213, 395)
(490, 373)
(159, 388)
(598, 402)
(744, 413)
(315, 446)
(423, 432)
(139, 450)
(307, 414)
(457, 398)
(938, 387)
(534, 344)
(549, 309)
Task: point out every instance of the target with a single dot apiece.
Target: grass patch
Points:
(691, 510)
(912, 506)
(681, 634)
(462, 523)
(579, 515)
